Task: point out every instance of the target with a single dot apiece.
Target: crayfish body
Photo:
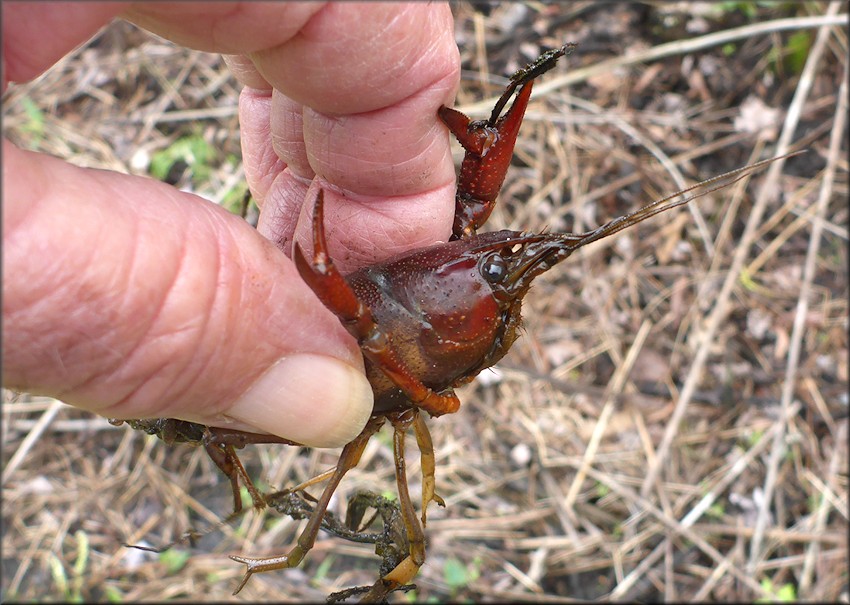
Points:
(440, 311)
(427, 322)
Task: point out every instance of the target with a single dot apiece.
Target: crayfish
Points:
(427, 322)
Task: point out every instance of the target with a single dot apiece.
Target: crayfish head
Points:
(510, 264)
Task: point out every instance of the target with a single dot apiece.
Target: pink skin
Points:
(131, 299)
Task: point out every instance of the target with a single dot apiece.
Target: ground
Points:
(672, 424)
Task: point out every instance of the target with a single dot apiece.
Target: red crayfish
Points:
(426, 322)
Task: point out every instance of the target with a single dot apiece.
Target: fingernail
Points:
(312, 399)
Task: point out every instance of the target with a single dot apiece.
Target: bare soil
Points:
(672, 425)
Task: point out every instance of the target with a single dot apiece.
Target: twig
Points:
(43, 422)
(678, 47)
(665, 160)
(615, 389)
(806, 81)
(690, 519)
(674, 525)
(721, 308)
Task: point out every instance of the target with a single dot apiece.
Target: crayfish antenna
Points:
(662, 205)
(556, 247)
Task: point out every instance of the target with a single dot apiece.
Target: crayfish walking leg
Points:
(405, 571)
(428, 463)
(220, 444)
(225, 458)
(348, 459)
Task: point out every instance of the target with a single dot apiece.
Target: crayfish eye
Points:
(494, 268)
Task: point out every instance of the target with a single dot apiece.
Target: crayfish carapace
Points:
(426, 322)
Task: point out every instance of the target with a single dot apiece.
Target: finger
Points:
(337, 57)
(126, 297)
(27, 51)
(378, 148)
(225, 27)
(370, 78)
(389, 175)
(376, 205)
(243, 69)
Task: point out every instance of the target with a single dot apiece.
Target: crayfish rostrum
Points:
(427, 322)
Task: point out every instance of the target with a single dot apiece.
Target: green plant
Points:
(233, 200)
(323, 569)
(459, 576)
(752, 438)
(112, 594)
(783, 594)
(797, 51)
(34, 125)
(174, 560)
(716, 511)
(748, 9)
(602, 490)
(193, 150)
(71, 589)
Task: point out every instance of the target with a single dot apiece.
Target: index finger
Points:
(356, 90)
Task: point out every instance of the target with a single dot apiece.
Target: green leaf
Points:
(35, 116)
(80, 566)
(323, 569)
(716, 511)
(455, 574)
(602, 490)
(192, 149)
(82, 553)
(752, 438)
(174, 560)
(747, 282)
(34, 125)
(112, 594)
(245, 495)
(233, 200)
(786, 593)
(798, 51)
(57, 570)
(748, 9)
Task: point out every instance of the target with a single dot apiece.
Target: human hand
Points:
(126, 297)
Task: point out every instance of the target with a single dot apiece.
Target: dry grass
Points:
(672, 425)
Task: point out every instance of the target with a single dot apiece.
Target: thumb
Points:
(126, 297)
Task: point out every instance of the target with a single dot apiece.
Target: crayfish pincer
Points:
(432, 319)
